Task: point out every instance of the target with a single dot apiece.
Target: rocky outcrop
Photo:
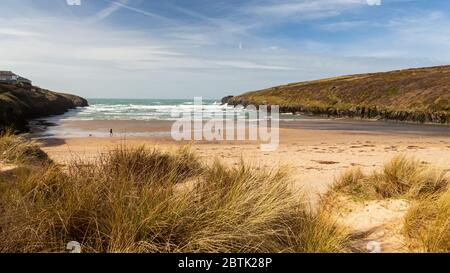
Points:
(441, 117)
(226, 99)
(20, 103)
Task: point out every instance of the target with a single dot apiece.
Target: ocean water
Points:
(134, 110)
(144, 109)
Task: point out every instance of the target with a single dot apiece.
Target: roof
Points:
(7, 73)
(23, 79)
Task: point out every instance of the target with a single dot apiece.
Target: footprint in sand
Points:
(412, 147)
(313, 168)
(391, 148)
(325, 162)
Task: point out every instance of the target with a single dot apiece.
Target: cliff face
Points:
(419, 95)
(19, 103)
(226, 99)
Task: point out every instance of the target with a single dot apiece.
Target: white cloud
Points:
(343, 25)
(250, 65)
(115, 5)
(85, 57)
(423, 36)
(306, 8)
(15, 32)
(111, 8)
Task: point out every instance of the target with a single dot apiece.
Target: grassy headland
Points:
(418, 95)
(18, 103)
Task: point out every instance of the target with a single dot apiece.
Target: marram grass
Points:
(427, 221)
(145, 200)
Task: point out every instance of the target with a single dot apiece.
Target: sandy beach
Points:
(316, 150)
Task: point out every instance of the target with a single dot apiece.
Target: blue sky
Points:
(212, 48)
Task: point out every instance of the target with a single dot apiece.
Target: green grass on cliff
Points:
(424, 89)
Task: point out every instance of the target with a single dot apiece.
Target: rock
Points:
(226, 99)
(357, 112)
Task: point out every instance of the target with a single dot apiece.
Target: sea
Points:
(168, 110)
(151, 109)
(144, 109)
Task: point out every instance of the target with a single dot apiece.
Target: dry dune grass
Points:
(427, 222)
(19, 150)
(401, 177)
(128, 201)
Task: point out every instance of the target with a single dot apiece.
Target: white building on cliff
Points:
(10, 77)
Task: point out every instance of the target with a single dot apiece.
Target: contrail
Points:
(124, 4)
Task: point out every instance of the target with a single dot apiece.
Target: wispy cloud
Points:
(344, 25)
(250, 65)
(123, 4)
(306, 8)
(111, 8)
(220, 23)
(12, 31)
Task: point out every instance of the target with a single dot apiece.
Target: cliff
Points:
(417, 95)
(19, 103)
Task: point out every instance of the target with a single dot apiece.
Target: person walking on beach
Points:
(111, 132)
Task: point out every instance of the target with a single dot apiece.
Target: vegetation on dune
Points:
(142, 164)
(419, 95)
(142, 200)
(20, 150)
(402, 177)
(427, 222)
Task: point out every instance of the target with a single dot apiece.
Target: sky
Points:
(214, 48)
